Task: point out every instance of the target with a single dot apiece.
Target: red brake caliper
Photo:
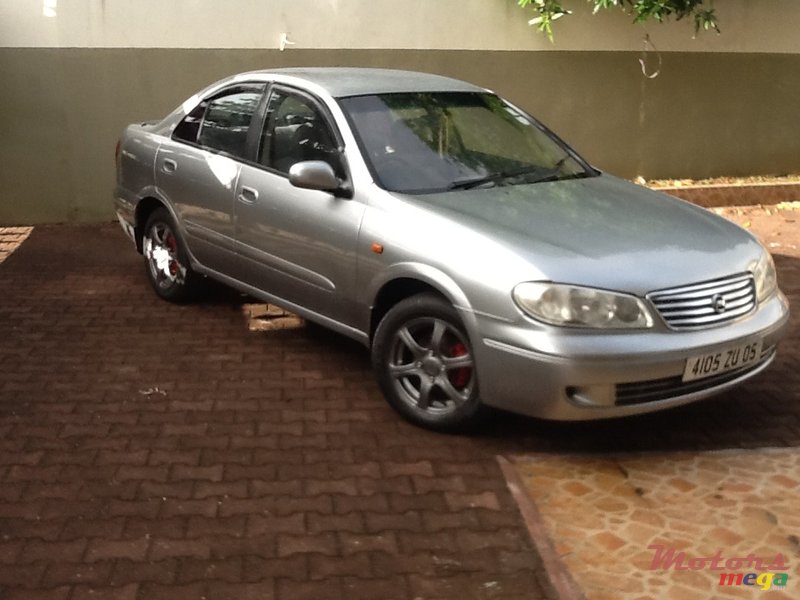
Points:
(173, 247)
(459, 377)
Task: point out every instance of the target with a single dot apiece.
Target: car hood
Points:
(600, 231)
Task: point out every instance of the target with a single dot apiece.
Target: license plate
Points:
(728, 359)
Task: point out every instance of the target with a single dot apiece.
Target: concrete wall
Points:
(722, 105)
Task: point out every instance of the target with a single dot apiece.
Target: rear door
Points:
(298, 244)
(199, 166)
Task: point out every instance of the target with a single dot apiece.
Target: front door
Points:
(298, 245)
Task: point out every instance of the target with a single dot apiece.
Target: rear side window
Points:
(222, 122)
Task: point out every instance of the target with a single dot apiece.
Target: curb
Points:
(709, 196)
(565, 586)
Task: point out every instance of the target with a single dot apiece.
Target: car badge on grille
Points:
(719, 303)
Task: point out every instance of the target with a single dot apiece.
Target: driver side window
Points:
(296, 131)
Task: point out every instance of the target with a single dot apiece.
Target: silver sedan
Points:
(482, 261)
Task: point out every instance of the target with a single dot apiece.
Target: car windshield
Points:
(427, 142)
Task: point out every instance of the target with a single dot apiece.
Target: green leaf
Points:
(700, 11)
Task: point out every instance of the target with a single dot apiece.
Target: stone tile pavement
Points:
(155, 451)
(669, 525)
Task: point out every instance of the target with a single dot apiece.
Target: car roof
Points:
(341, 82)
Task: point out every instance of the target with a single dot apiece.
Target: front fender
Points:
(429, 275)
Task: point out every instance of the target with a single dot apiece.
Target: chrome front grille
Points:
(706, 304)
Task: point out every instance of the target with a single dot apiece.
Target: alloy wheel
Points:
(161, 252)
(431, 366)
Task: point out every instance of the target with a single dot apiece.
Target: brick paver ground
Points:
(155, 451)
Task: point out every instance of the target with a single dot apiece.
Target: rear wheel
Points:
(166, 261)
(425, 366)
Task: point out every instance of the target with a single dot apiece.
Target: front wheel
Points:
(166, 261)
(425, 365)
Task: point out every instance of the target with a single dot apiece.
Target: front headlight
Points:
(765, 277)
(575, 306)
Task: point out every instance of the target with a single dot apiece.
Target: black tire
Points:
(165, 260)
(425, 366)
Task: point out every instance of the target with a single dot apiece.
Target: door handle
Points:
(169, 165)
(248, 195)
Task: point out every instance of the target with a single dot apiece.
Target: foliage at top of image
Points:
(699, 11)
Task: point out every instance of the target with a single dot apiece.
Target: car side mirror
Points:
(316, 175)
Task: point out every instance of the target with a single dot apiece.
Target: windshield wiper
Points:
(557, 177)
(552, 174)
(467, 184)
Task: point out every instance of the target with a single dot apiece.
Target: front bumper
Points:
(565, 374)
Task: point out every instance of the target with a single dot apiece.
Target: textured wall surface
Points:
(722, 105)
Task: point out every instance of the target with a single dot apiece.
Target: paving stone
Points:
(323, 543)
(127, 592)
(128, 571)
(102, 549)
(263, 590)
(76, 572)
(169, 438)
